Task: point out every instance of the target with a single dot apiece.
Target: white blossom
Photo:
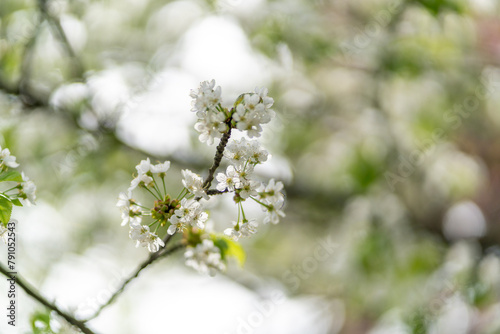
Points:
(249, 188)
(273, 212)
(199, 218)
(211, 118)
(131, 215)
(143, 167)
(27, 191)
(211, 125)
(266, 100)
(6, 159)
(193, 183)
(152, 242)
(253, 111)
(205, 258)
(141, 179)
(237, 152)
(248, 228)
(245, 229)
(176, 225)
(206, 97)
(247, 120)
(232, 233)
(228, 181)
(272, 193)
(160, 168)
(241, 152)
(145, 238)
(191, 213)
(138, 233)
(4, 233)
(256, 154)
(124, 200)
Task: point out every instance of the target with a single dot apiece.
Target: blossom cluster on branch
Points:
(19, 189)
(185, 214)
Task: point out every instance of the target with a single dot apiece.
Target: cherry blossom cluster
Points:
(152, 226)
(250, 111)
(243, 155)
(184, 214)
(19, 189)
(205, 257)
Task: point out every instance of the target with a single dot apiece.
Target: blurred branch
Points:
(27, 98)
(58, 30)
(31, 291)
(22, 90)
(27, 57)
(152, 258)
(353, 66)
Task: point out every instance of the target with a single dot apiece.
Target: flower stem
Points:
(156, 188)
(164, 188)
(242, 213)
(256, 200)
(181, 194)
(152, 193)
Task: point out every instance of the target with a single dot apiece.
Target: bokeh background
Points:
(387, 138)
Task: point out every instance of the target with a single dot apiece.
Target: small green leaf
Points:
(222, 245)
(5, 210)
(235, 250)
(239, 100)
(16, 202)
(11, 175)
(230, 248)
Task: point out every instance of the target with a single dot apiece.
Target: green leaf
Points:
(16, 202)
(5, 210)
(11, 175)
(435, 7)
(229, 248)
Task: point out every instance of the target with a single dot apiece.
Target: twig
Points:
(152, 258)
(31, 291)
(217, 158)
(216, 192)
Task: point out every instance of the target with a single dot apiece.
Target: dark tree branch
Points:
(31, 291)
(217, 158)
(216, 192)
(152, 258)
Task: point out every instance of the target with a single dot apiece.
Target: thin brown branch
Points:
(31, 291)
(216, 192)
(217, 158)
(152, 258)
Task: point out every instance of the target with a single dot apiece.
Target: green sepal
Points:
(16, 202)
(5, 210)
(11, 175)
(239, 100)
